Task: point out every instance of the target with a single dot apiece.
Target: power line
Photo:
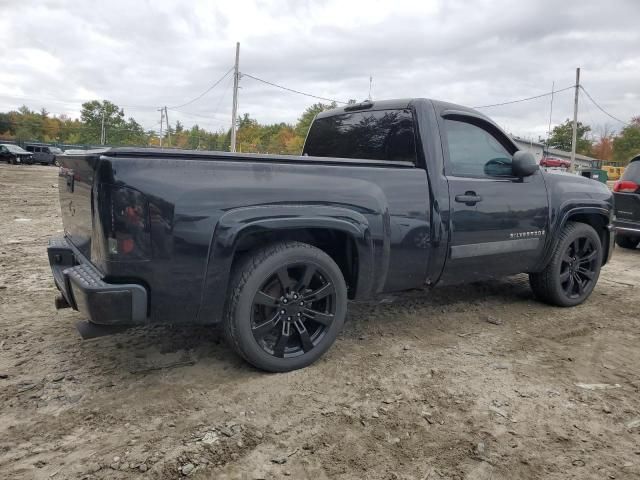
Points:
(72, 105)
(205, 92)
(292, 90)
(214, 113)
(526, 99)
(34, 124)
(602, 109)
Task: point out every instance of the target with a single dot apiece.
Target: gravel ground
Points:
(472, 382)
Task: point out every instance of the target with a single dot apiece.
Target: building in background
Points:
(540, 151)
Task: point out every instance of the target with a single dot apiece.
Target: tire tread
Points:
(242, 271)
(624, 241)
(543, 283)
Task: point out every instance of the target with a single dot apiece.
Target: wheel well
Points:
(599, 223)
(340, 246)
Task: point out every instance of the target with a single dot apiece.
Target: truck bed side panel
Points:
(190, 196)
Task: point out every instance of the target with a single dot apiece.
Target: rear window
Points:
(374, 135)
(632, 172)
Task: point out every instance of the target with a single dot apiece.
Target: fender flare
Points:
(565, 211)
(237, 223)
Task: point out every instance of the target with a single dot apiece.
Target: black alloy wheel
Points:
(579, 267)
(287, 303)
(573, 270)
(293, 310)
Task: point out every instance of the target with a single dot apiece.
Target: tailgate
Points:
(627, 206)
(75, 185)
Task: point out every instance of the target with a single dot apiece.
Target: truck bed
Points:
(197, 203)
(212, 155)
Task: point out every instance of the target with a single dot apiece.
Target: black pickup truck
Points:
(387, 196)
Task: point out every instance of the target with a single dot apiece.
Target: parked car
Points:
(553, 162)
(627, 206)
(387, 196)
(44, 154)
(13, 154)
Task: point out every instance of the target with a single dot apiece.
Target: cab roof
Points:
(401, 103)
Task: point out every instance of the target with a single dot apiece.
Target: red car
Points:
(554, 162)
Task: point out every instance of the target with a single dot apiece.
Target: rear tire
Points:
(287, 304)
(627, 242)
(574, 268)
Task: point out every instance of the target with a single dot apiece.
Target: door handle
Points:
(469, 198)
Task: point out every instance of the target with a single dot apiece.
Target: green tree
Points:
(5, 123)
(91, 115)
(131, 133)
(562, 135)
(627, 144)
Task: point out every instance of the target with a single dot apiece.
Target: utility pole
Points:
(161, 110)
(166, 115)
(574, 138)
(234, 110)
(102, 131)
(553, 86)
(370, 83)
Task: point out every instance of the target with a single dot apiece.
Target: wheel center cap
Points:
(292, 306)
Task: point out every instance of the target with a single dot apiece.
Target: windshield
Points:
(55, 150)
(14, 149)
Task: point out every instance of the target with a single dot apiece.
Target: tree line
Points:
(24, 125)
(607, 145)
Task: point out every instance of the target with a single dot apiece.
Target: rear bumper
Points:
(83, 287)
(630, 229)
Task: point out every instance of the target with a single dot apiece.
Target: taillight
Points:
(125, 222)
(625, 186)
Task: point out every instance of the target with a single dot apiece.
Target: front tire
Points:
(286, 307)
(571, 275)
(627, 242)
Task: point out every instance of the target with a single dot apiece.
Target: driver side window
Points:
(474, 152)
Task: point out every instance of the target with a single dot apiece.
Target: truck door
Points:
(498, 222)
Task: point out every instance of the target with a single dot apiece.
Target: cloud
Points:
(147, 54)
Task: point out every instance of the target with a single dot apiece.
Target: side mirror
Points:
(524, 164)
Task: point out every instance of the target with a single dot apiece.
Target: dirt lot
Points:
(474, 382)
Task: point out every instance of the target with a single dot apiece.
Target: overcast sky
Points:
(145, 54)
